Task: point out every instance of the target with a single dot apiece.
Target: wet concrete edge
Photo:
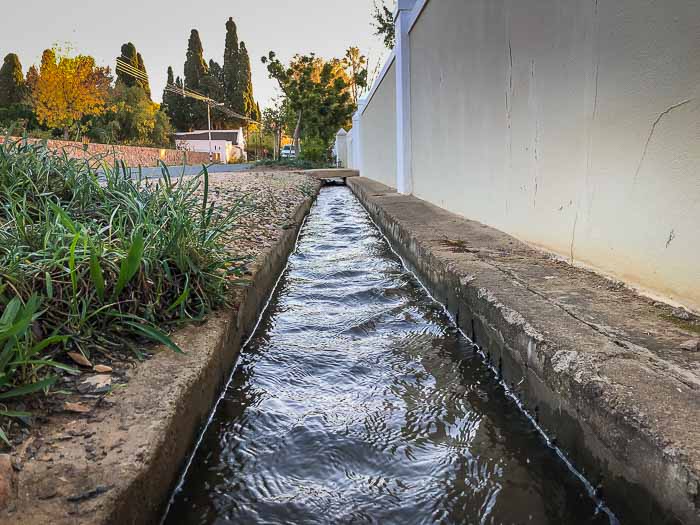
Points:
(598, 438)
(153, 423)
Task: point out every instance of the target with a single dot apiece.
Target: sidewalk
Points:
(609, 374)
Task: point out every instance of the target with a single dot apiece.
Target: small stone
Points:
(98, 384)
(691, 346)
(680, 313)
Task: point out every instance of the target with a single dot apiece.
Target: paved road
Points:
(180, 171)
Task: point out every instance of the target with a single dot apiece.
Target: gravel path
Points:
(268, 201)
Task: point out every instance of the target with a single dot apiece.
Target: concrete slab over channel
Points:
(607, 373)
(119, 464)
(333, 173)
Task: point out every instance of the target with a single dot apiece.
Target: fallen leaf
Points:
(80, 359)
(98, 384)
(103, 369)
(78, 408)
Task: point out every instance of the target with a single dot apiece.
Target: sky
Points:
(160, 30)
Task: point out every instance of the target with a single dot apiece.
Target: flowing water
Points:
(358, 401)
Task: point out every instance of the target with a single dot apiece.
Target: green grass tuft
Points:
(97, 262)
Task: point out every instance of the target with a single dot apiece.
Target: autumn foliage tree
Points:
(318, 91)
(68, 89)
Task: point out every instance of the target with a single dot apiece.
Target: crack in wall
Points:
(595, 52)
(653, 130)
(573, 238)
(671, 237)
(509, 99)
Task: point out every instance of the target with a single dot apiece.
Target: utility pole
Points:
(209, 129)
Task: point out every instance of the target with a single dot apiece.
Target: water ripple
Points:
(358, 402)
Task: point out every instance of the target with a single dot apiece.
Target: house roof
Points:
(219, 134)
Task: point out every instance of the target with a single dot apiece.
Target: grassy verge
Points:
(98, 263)
(294, 164)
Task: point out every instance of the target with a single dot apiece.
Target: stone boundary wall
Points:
(133, 156)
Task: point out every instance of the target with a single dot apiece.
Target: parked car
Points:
(288, 152)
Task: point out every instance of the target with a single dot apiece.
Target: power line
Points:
(128, 69)
(125, 67)
(172, 88)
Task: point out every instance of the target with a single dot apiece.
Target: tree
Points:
(216, 71)
(196, 71)
(15, 108)
(232, 70)
(246, 83)
(135, 60)
(274, 121)
(176, 106)
(384, 24)
(258, 114)
(69, 89)
(195, 66)
(131, 118)
(356, 67)
(140, 120)
(12, 85)
(32, 79)
(317, 91)
(142, 67)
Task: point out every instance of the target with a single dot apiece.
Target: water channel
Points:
(358, 401)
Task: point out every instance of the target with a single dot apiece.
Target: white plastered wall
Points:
(378, 141)
(573, 125)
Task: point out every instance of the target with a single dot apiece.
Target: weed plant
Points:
(99, 262)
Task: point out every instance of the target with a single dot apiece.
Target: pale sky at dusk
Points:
(160, 30)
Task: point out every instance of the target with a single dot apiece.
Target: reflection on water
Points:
(358, 401)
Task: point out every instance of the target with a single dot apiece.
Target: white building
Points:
(227, 145)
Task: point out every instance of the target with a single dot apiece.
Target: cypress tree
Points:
(169, 98)
(232, 69)
(135, 60)
(195, 66)
(12, 86)
(196, 71)
(216, 71)
(171, 76)
(142, 67)
(182, 109)
(246, 83)
(176, 106)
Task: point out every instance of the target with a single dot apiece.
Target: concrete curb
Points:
(618, 411)
(120, 465)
